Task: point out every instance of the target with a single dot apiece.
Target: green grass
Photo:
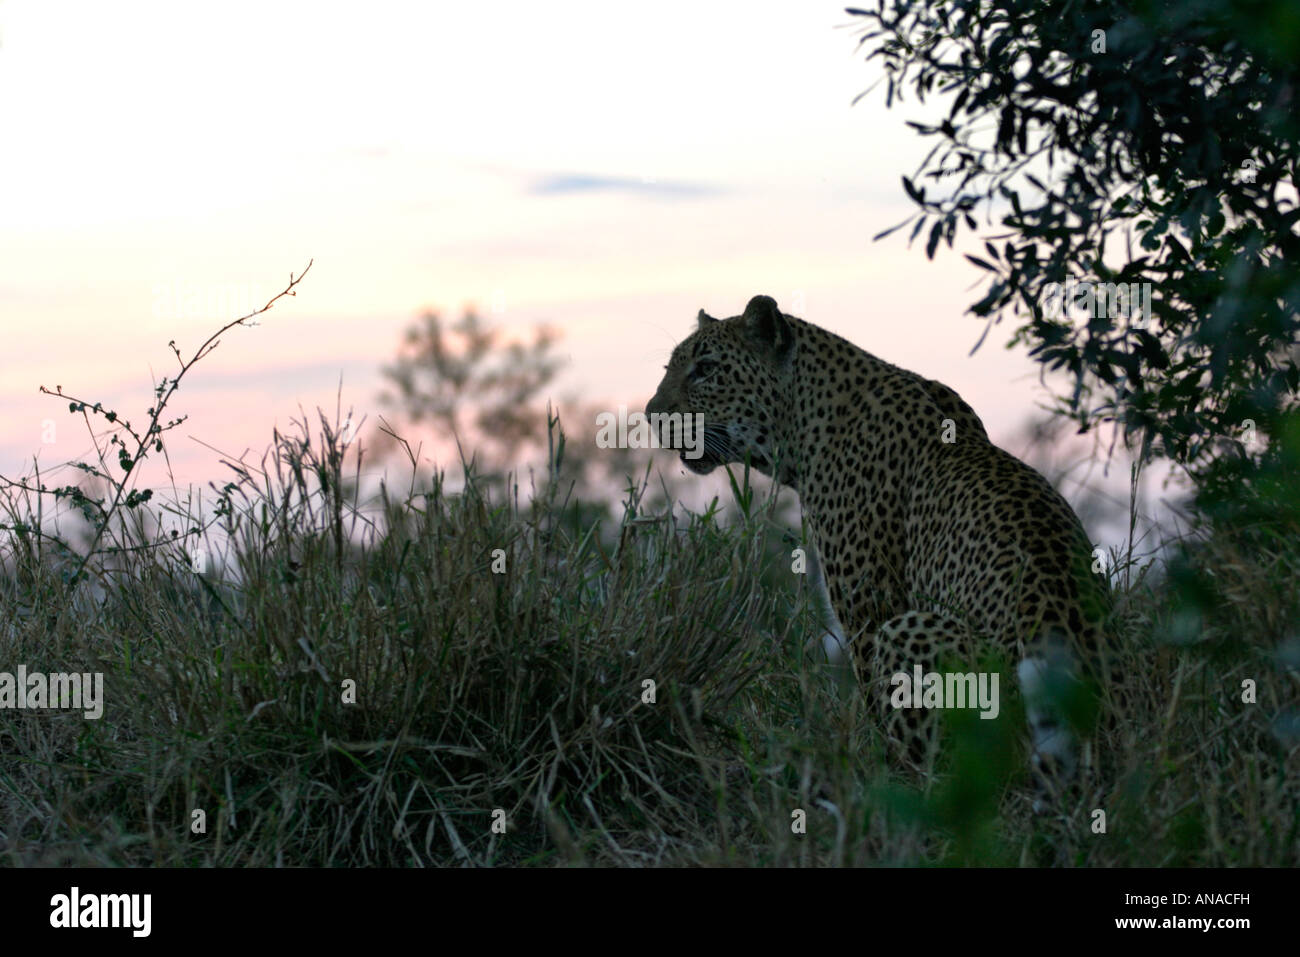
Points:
(521, 691)
(363, 681)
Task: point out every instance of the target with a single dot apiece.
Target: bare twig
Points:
(129, 460)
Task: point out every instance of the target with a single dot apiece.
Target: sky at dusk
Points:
(605, 168)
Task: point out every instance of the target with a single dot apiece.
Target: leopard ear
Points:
(765, 325)
(704, 319)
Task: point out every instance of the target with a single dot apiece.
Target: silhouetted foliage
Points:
(1121, 143)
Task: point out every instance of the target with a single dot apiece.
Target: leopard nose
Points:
(656, 404)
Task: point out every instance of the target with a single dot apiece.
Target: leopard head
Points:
(737, 374)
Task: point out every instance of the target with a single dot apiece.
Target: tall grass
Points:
(453, 674)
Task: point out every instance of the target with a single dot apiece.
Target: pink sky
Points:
(609, 169)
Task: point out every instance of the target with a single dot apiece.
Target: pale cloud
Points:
(561, 184)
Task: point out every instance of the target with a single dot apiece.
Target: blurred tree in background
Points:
(490, 399)
(459, 376)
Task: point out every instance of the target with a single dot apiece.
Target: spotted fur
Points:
(932, 539)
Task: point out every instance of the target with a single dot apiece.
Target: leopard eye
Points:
(703, 369)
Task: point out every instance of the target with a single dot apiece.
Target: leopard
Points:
(932, 543)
